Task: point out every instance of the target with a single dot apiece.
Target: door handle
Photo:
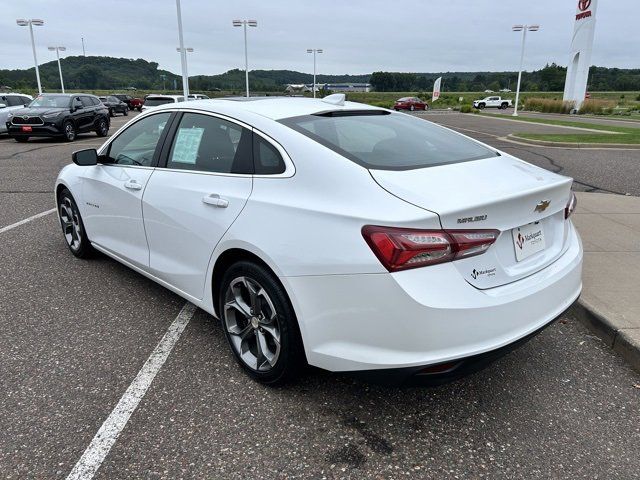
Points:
(132, 185)
(215, 200)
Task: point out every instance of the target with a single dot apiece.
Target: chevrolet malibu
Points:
(330, 233)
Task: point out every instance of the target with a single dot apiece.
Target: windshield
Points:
(388, 141)
(153, 102)
(51, 101)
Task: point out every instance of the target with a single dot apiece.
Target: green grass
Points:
(628, 135)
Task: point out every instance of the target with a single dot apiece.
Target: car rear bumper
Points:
(425, 316)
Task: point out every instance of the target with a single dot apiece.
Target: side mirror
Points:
(2, 105)
(85, 158)
(77, 107)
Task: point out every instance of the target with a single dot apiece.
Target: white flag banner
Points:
(436, 89)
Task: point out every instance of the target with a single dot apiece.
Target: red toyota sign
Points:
(584, 4)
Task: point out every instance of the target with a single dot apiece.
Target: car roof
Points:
(274, 108)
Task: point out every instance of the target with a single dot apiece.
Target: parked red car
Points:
(410, 103)
(132, 102)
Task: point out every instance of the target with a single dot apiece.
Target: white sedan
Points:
(330, 233)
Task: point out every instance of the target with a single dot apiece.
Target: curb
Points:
(622, 341)
(545, 143)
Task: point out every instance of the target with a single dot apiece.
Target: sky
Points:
(357, 36)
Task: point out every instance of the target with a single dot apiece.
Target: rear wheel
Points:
(103, 128)
(21, 139)
(260, 324)
(504, 106)
(72, 226)
(125, 112)
(111, 112)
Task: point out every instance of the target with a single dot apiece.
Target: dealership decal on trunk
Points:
(489, 272)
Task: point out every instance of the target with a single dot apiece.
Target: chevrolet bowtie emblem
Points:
(542, 206)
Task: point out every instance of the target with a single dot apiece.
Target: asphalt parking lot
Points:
(76, 333)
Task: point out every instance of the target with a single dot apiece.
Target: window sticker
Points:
(187, 144)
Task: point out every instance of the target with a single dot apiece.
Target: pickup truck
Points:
(492, 102)
(132, 102)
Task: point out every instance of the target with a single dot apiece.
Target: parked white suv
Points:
(155, 100)
(10, 102)
(492, 102)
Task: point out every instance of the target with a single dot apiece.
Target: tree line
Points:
(548, 79)
(109, 73)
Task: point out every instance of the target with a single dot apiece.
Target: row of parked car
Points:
(68, 114)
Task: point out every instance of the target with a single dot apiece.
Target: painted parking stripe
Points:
(108, 433)
(26, 220)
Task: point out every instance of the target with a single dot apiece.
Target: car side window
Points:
(96, 101)
(86, 101)
(266, 157)
(210, 144)
(11, 101)
(137, 144)
(76, 103)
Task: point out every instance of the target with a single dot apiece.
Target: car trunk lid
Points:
(526, 203)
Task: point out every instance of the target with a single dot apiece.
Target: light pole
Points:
(523, 29)
(30, 23)
(314, 51)
(84, 54)
(164, 77)
(58, 50)
(183, 55)
(244, 23)
(185, 70)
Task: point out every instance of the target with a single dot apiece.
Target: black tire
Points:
(72, 226)
(481, 106)
(412, 108)
(102, 130)
(504, 106)
(290, 359)
(125, 112)
(140, 108)
(21, 139)
(112, 113)
(69, 131)
(426, 107)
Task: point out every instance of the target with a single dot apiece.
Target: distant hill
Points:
(109, 73)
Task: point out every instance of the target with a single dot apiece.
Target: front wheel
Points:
(481, 106)
(69, 131)
(125, 112)
(412, 108)
(72, 226)
(260, 324)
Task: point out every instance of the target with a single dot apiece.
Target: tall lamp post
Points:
(314, 51)
(30, 23)
(183, 54)
(163, 77)
(244, 23)
(58, 50)
(523, 29)
(185, 70)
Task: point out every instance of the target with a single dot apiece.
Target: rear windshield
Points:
(154, 102)
(388, 141)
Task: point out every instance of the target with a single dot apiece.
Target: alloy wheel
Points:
(252, 323)
(69, 131)
(70, 220)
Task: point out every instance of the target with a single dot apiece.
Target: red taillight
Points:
(401, 248)
(571, 205)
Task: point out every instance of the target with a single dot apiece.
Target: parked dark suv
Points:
(115, 105)
(59, 115)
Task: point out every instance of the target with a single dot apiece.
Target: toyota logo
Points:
(25, 117)
(584, 4)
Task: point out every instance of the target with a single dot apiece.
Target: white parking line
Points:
(108, 433)
(26, 220)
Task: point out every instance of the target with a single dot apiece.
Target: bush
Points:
(548, 105)
(594, 106)
(466, 109)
